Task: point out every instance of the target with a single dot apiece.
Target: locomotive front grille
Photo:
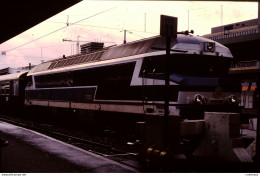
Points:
(216, 101)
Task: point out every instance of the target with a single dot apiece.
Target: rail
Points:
(105, 150)
(3, 143)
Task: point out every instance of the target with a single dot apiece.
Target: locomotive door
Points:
(148, 74)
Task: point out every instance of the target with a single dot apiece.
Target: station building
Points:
(243, 39)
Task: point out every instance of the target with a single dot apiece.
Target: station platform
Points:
(32, 152)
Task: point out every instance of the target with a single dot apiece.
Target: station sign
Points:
(168, 26)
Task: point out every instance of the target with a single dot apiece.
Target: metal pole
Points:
(78, 45)
(221, 14)
(166, 93)
(67, 20)
(124, 36)
(188, 20)
(144, 22)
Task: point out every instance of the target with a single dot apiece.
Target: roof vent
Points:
(92, 46)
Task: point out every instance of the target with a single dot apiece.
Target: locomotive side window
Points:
(1, 88)
(4, 88)
(16, 87)
(64, 79)
(7, 88)
(111, 80)
(116, 83)
(2, 85)
(89, 77)
(11, 87)
(121, 74)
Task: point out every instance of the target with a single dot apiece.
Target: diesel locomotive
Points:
(130, 78)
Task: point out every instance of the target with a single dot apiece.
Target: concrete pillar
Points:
(222, 138)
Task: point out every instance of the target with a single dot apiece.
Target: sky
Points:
(104, 21)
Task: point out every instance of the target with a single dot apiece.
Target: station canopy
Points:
(18, 16)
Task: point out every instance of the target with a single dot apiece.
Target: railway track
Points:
(87, 142)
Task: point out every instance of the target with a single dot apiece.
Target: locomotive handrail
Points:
(175, 50)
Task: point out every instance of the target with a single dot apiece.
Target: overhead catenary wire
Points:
(36, 57)
(138, 35)
(105, 27)
(111, 28)
(43, 47)
(61, 28)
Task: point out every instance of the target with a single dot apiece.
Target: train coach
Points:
(130, 79)
(12, 92)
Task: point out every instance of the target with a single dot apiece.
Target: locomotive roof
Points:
(13, 76)
(192, 44)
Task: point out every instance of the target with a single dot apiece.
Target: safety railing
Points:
(237, 34)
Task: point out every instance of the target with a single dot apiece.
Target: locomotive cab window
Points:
(29, 81)
(192, 65)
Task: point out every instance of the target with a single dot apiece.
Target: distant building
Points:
(9, 70)
(241, 32)
(242, 38)
(234, 30)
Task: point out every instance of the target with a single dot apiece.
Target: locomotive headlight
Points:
(209, 46)
(232, 100)
(198, 99)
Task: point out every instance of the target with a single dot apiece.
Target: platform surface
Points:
(32, 152)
